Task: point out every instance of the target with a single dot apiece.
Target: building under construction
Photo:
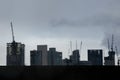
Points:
(15, 52)
(110, 60)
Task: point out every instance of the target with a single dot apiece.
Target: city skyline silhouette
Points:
(59, 39)
(41, 56)
(56, 23)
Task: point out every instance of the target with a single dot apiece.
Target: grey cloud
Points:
(103, 20)
(110, 24)
(63, 22)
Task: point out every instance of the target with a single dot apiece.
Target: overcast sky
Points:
(57, 22)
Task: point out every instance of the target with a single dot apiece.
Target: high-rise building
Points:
(15, 53)
(95, 56)
(54, 57)
(51, 56)
(110, 60)
(35, 57)
(75, 57)
(58, 58)
(43, 50)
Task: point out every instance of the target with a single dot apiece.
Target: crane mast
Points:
(108, 44)
(70, 46)
(118, 60)
(80, 47)
(12, 32)
(116, 51)
(112, 42)
(76, 44)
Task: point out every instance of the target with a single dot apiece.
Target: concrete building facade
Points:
(110, 60)
(54, 57)
(95, 56)
(15, 53)
(35, 57)
(43, 50)
(75, 57)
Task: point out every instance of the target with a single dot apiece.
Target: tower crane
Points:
(12, 32)
(108, 44)
(14, 44)
(80, 47)
(70, 46)
(117, 55)
(76, 44)
(112, 42)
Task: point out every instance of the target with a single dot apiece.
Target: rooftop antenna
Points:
(12, 32)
